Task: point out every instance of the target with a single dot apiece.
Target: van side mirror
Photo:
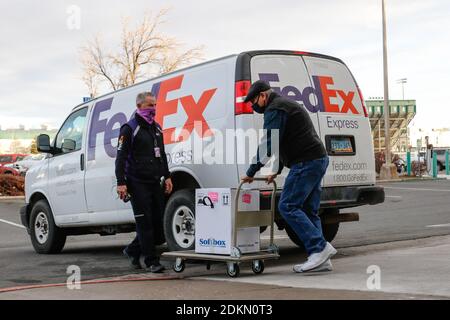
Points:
(68, 145)
(43, 143)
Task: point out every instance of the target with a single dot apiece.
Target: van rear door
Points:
(287, 75)
(343, 121)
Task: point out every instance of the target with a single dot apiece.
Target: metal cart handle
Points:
(272, 207)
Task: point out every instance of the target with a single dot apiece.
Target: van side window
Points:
(73, 128)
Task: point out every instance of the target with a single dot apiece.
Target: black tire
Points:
(180, 198)
(329, 231)
(56, 237)
(179, 267)
(234, 271)
(258, 268)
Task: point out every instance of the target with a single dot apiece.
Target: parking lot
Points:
(407, 237)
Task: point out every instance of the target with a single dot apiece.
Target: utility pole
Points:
(386, 172)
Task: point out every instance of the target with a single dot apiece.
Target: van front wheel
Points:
(46, 237)
(179, 220)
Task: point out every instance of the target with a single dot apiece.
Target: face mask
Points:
(257, 108)
(148, 114)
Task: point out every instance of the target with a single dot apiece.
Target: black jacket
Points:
(137, 161)
(299, 141)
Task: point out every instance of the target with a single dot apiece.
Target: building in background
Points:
(438, 137)
(402, 112)
(20, 140)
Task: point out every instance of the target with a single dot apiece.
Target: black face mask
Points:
(257, 108)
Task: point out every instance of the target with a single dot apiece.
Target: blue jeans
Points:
(300, 201)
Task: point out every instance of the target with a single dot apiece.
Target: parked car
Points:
(11, 158)
(29, 161)
(8, 169)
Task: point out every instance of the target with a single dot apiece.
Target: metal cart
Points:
(242, 219)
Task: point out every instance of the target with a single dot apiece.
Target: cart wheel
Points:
(233, 270)
(258, 266)
(179, 265)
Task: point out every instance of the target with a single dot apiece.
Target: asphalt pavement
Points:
(416, 210)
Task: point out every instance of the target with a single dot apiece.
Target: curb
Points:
(12, 198)
(410, 179)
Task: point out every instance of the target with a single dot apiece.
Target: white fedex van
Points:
(73, 191)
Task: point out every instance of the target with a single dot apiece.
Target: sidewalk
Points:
(414, 269)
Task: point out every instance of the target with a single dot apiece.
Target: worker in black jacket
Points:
(301, 150)
(140, 165)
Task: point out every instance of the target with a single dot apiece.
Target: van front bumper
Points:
(338, 197)
(24, 217)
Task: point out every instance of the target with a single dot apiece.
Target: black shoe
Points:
(155, 268)
(134, 261)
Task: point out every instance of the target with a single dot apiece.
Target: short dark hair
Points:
(140, 98)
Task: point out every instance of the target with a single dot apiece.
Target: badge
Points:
(157, 153)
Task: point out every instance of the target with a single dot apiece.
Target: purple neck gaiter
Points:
(148, 114)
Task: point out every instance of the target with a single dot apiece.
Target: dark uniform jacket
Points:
(136, 159)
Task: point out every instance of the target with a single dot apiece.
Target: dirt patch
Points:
(12, 185)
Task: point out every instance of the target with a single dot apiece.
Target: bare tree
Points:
(143, 52)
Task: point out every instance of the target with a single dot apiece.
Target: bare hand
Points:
(247, 179)
(169, 186)
(271, 178)
(122, 191)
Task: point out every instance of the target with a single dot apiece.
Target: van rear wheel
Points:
(179, 220)
(46, 237)
(329, 230)
(329, 233)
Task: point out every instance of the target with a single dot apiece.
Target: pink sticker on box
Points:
(247, 198)
(214, 196)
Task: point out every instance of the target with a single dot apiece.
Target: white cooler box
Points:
(213, 226)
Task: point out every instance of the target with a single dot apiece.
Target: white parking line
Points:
(418, 189)
(12, 223)
(439, 225)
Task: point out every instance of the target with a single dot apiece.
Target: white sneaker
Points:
(316, 259)
(326, 266)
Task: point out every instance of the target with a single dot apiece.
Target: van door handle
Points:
(82, 162)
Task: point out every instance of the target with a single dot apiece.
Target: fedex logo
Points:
(323, 91)
(194, 109)
(111, 127)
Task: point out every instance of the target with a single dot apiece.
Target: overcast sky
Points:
(40, 71)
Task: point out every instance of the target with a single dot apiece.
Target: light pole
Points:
(386, 172)
(402, 82)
